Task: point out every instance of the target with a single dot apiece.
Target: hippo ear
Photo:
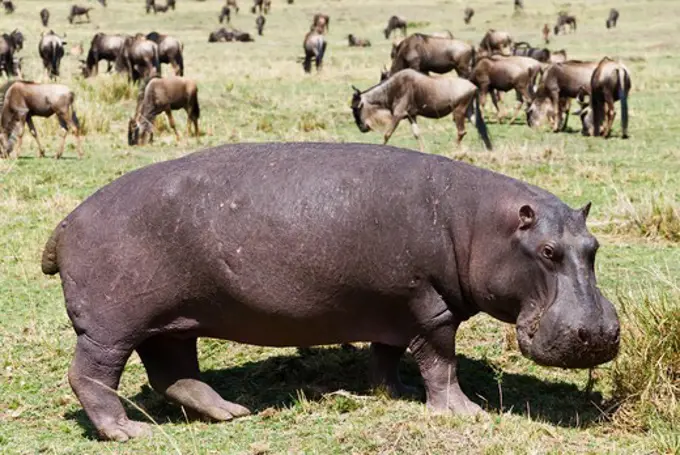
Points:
(527, 217)
(585, 210)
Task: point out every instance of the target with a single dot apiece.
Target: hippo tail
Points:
(49, 263)
(623, 96)
(480, 124)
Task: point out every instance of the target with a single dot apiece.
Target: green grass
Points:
(322, 403)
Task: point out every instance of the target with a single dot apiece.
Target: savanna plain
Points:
(321, 402)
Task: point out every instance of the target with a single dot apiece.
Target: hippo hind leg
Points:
(94, 376)
(384, 369)
(172, 367)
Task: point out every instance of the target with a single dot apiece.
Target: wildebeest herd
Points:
(545, 81)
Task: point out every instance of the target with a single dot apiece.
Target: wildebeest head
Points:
(540, 111)
(544, 280)
(358, 106)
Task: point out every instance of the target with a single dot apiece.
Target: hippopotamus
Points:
(302, 244)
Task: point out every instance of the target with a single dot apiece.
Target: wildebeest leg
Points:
(565, 105)
(171, 120)
(500, 114)
(557, 109)
(172, 367)
(609, 111)
(94, 376)
(393, 126)
(524, 92)
(384, 368)
(34, 133)
(459, 113)
(435, 352)
(416, 133)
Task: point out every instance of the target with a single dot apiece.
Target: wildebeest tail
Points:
(623, 96)
(480, 124)
(49, 263)
(195, 106)
(54, 71)
(321, 50)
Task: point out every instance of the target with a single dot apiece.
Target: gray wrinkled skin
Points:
(308, 244)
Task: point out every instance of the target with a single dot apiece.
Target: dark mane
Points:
(154, 36)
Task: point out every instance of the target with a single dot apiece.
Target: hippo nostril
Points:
(583, 335)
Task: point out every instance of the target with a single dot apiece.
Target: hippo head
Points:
(540, 274)
(358, 107)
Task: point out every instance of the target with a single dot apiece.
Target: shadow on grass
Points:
(278, 381)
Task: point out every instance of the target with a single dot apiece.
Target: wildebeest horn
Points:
(356, 89)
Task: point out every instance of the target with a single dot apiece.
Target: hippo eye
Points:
(548, 252)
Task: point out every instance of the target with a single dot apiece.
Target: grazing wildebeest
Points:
(610, 83)
(158, 95)
(496, 41)
(8, 47)
(426, 54)
(522, 48)
(182, 249)
(170, 51)
(9, 6)
(103, 47)
(139, 58)
(561, 82)
(51, 50)
(395, 23)
(613, 18)
(21, 101)
(564, 19)
(500, 73)
(78, 11)
(321, 22)
(225, 14)
(261, 6)
(409, 94)
(150, 4)
(233, 4)
(314, 46)
(467, 17)
(357, 42)
(260, 21)
(45, 17)
(546, 34)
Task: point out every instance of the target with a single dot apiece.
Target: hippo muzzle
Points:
(569, 333)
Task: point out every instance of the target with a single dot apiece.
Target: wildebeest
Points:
(160, 8)
(610, 83)
(17, 38)
(395, 23)
(519, 5)
(560, 83)
(260, 21)
(409, 94)
(558, 56)
(51, 50)
(234, 5)
(45, 17)
(261, 6)
(9, 6)
(139, 58)
(546, 34)
(8, 46)
(314, 46)
(357, 42)
(321, 22)
(225, 14)
(522, 48)
(613, 18)
(426, 54)
(496, 41)
(103, 47)
(467, 15)
(564, 19)
(224, 35)
(78, 11)
(501, 73)
(21, 101)
(170, 51)
(158, 95)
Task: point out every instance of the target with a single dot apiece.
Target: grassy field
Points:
(321, 403)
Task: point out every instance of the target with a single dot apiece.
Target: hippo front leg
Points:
(435, 352)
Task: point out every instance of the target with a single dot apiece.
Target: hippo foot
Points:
(455, 402)
(124, 430)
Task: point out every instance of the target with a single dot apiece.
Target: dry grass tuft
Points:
(653, 216)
